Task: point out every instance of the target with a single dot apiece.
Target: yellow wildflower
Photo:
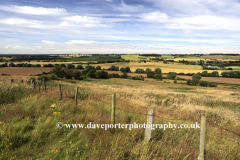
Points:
(56, 113)
(1, 122)
(53, 105)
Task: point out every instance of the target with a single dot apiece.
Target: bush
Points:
(69, 74)
(53, 76)
(203, 83)
(91, 73)
(195, 82)
(148, 70)
(114, 68)
(98, 68)
(70, 66)
(189, 81)
(150, 74)
(115, 75)
(171, 76)
(43, 77)
(158, 77)
(178, 78)
(58, 71)
(136, 78)
(76, 75)
(196, 76)
(158, 71)
(46, 65)
(181, 73)
(101, 75)
(79, 67)
(87, 69)
(212, 85)
(11, 65)
(127, 70)
(175, 81)
(139, 70)
(63, 65)
(124, 75)
(230, 69)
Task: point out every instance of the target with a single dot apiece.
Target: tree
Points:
(79, 67)
(150, 74)
(98, 68)
(63, 65)
(171, 76)
(59, 71)
(158, 77)
(70, 66)
(196, 76)
(158, 71)
(11, 65)
(91, 73)
(101, 75)
(76, 75)
(148, 70)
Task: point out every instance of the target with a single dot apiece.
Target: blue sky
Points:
(119, 26)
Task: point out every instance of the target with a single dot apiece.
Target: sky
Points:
(119, 26)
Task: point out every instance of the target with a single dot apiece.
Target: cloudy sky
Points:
(119, 26)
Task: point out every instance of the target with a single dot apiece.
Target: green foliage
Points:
(158, 71)
(87, 69)
(59, 71)
(91, 73)
(113, 68)
(195, 81)
(70, 66)
(136, 78)
(212, 84)
(69, 74)
(101, 75)
(196, 76)
(114, 75)
(79, 67)
(175, 81)
(45, 65)
(63, 65)
(76, 75)
(171, 76)
(124, 75)
(158, 77)
(43, 77)
(203, 83)
(127, 70)
(11, 65)
(139, 70)
(231, 74)
(98, 68)
(150, 74)
(148, 70)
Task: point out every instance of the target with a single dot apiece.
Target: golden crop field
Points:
(171, 67)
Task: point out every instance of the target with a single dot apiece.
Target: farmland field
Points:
(22, 71)
(171, 67)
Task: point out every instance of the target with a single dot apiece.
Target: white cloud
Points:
(34, 10)
(155, 16)
(80, 42)
(206, 22)
(109, 0)
(48, 42)
(22, 22)
(129, 8)
(82, 21)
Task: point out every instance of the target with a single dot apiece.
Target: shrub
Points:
(63, 65)
(230, 69)
(79, 67)
(91, 73)
(11, 65)
(53, 76)
(69, 74)
(148, 70)
(178, 78)
(171, 76)
(70, 66)
(203, 83)
(175, 81)
(124, 75)
(87, 69)
(113, 68)
(136, 78)
(43, 77)
(115, 75)
(158, 71)
(181, 73)
(127, 70)
(139, 70)
(19, 65)
(158, 77)
(150, 74)
(196, 76)
(98, 68)
(212, 85)
(76, 75)
(59, 71)
(47, 65)
(195, 81)
(101, 75)
(189, 81)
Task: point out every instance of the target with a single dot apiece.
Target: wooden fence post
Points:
(76, 94)
(33, 85)
(44, 85)
(113, 109)
(202, 138)
(39, 86)
(60, 91)
(150, 121)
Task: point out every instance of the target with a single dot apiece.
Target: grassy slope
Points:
(29, 126)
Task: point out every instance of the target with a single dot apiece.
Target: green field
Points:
(134, 57)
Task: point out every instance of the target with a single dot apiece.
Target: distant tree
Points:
(171, 76)
(148, 70)
(58, 71)
(158, 71)
(11, 65)
(101, 75)
(150, 74)
(158, 77)
(98, 68)
(196, 76)
(79, 67)
(70, 66)
(63, 65)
